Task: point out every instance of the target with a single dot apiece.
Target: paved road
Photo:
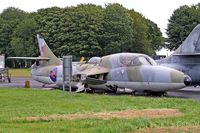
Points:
(188, 92)
(20, 82)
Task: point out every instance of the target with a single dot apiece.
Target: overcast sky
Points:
(158, 11)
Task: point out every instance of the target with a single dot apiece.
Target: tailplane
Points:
(46, 52)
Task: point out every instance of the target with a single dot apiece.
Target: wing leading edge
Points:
(29, 58)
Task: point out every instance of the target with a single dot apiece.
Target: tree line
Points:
(91, 30)
(84, 30)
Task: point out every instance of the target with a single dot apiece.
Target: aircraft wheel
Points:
(158, 94)
(147, 93)
(92, 91)
(133, 93)
(114, 89)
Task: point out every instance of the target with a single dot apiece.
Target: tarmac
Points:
(188, 92)
(20, 83)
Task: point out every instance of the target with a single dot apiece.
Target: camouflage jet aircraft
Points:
(187, 57)
(137, 72)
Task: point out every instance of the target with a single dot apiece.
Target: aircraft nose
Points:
(187, 81)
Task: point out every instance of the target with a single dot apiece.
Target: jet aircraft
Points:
(187, 57)
(133, 71)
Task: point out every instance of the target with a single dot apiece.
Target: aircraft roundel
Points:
(53, 74)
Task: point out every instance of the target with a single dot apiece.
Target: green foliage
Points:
(140, 41)
(82, 28)
(181, 23)
(85, 30)
(154, 36)
(9, 19)
(117, 32)
(23, 39)
(26, 102)
(50, 26)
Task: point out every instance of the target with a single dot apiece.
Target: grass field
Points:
(22, 103)
(23, 73)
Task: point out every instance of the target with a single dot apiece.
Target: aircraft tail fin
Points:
(46, 52)
(191, 44)
(189, 47)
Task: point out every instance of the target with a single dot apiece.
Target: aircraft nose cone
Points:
(187, 81)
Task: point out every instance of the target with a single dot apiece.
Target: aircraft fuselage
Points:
(137, 78)
(192, 70)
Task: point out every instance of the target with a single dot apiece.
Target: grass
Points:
(20, 73)
(26, 102)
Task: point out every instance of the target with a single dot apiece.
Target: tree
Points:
(82, 27)
(9, 19)
(50, 26)
(117, 30)
(154, 36)
(140, 42)
(85, 30)
(24, 38)
(181, 23)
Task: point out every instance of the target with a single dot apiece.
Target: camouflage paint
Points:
(134, 74)
(186, 57)
(124, 70)
(118, 74)
(105, 62)
(176, 76)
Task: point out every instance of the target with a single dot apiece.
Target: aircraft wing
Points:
(90, 71)
(94, 81)
(95, 70)
(29, 58)
(187, 54)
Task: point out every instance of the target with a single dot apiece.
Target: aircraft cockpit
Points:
(94, 60)
(142, 60)
(125, 60)
(136, 60)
